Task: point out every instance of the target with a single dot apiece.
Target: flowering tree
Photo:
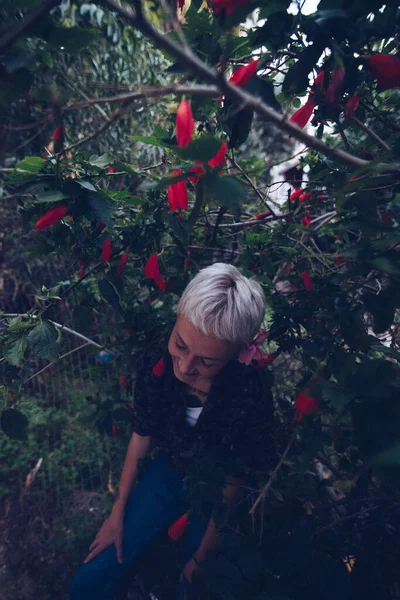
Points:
(321, 524)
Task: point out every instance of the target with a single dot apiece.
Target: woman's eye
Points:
(207, 365)
(179, 347)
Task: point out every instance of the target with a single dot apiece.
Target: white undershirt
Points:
(192, 414)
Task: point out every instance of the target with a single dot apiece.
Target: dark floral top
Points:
(235, 430)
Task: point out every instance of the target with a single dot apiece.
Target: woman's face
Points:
(196, 356)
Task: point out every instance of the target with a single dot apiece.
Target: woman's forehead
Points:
(200, 343)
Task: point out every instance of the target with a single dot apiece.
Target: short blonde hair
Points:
(222, 302)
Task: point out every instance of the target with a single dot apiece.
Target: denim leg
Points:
(153, 504)
(196, 529)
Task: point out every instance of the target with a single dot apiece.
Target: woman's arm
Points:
(137, 449)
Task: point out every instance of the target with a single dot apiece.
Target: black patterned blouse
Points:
(235, 430)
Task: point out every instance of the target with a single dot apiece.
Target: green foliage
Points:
(335, 333)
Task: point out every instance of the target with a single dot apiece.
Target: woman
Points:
(207, 410)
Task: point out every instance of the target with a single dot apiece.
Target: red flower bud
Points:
(178, 194)
(303, 114)
(351, 106)
(184, 124)
(114, 431)
(81, 272)
(242, 75)
(159, 369)
(122, 265)
(261, 216)
(385, 68)
(110, 170)
(148, 300)
(266, 360)
(306, 221)
(186, 264)
(321, 197)
(107, 250)
(308, 283)
(53, 216)
(152, 271)
(177, 529)
(100, 227)
(122, 383)
(305, 405)
(198, 170)
(304, 197)
(229, 6)
(59, 133)
(181, 4)
(220, 158)
(296, 194)
(334, 91)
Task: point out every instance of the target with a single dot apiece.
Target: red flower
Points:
(229, 6)
(242, 75)
(308, 283)
(122, 264)
(303, 114)
(351, 106)
(114, 431)
(159, 368)
(319, 80)
(107, 250)
(306, 221)
(198, 167)
(198, 170)
(261, 216)
(152, 271)
(148, 300)
(321, 197)
(304, 197)
(81, 272)
(177, 193)
(181, 4)
(122, 383)
(266, 360)
(100, 227)
(110, 170)
(220, 158)
(53, 216)
(177, 529)
(305, 405)
(385, 68)
(59, 133)
(296, 194)
(184, 124)
(334, 91)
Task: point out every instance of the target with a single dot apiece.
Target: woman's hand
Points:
(187, 573)
(110, 533)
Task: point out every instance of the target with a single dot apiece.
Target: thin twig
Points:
(371, 133)
(55, 361)
(266, 487)
(249, 181)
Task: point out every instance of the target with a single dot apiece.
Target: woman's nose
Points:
(187, 365)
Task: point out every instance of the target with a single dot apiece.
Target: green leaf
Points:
(239, 125)
(43, 340)
(86, 184)
(390, 457)
(71, 39)
(179, 227)
(296, 80)
(14, 352)
(98, 208)
(265, 90)
(228, 191)
(14, 424)
(51, 196)
(27, 169)
(386, 265)
(150, 140)
(102, 161)
(204, 148)
(110, 295)
(385, 350)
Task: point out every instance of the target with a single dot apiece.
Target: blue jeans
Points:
(154, 504)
